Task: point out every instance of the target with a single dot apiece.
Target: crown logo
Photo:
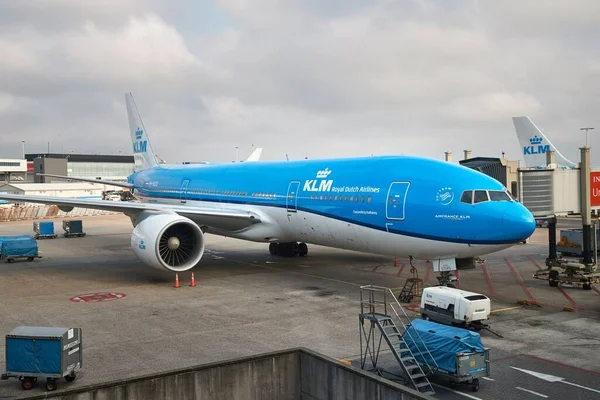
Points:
(536, 140)
(138, 134)
(323, 173)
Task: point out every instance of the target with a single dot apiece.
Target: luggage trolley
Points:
(34, 352)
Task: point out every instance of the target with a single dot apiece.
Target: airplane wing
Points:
(100, 181)
(221, 218)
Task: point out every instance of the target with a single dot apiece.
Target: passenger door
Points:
(183, 191)
(291, 201)
(395, 208)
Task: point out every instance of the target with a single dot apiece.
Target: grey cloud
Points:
(306, 78)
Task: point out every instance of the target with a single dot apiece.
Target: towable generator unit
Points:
(452, 306)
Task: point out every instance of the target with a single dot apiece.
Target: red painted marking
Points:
(595, 289)
(401, 269)
(97, 297)
(428, 269)
(568, 297)
(535, 263)
(519, 279)
(547, 361)
(375, 269)
(488, 279)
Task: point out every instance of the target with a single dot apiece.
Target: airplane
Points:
(402, 206)
(534, 144)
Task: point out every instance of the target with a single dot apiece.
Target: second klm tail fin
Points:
(534, 144)
(143, 153)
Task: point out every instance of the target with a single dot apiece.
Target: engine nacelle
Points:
(167, 241)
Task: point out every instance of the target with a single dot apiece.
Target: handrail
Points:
(372, 302)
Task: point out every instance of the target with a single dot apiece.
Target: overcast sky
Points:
(306, 78)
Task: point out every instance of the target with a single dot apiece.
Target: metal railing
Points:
(372, 303)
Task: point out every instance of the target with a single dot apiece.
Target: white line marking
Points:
(582, 387)
(454, 391)
(487, 379)
(532, 392)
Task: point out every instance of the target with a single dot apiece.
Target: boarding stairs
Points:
(386, 316)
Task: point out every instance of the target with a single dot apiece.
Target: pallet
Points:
(38, 236)
(70, 235)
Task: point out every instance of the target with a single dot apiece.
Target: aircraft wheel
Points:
(303, 249)
(273, 248)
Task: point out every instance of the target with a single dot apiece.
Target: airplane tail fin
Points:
(142, 149)
(255, 156)
(534, 144)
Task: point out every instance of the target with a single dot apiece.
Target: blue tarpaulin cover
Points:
(11, 238)
(38, 356)
(46, 228)
(19, 247)
(444, 342)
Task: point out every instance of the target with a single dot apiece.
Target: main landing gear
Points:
(290, 249)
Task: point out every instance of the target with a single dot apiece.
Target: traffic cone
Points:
(193, 281)
(395, 262)
(176, 280)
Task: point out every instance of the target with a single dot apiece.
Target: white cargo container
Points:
(452, 306)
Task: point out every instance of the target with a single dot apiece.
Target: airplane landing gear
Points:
(447, 278)
(289, 249)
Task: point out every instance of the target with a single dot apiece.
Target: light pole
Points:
(586, 134)
(23, 147)
(236, 154)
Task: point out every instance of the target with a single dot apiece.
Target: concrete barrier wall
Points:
(296, 374)
(13, 213)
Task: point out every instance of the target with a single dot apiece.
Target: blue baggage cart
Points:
(44, 230)
(34, 352)
(458, 353)
(14, 247)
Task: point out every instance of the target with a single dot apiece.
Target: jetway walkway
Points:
(387, 321)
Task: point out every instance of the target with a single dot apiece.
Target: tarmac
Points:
(246, 301)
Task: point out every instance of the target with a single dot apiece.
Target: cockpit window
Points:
(480, 196)
(497, 195)
(467, 197)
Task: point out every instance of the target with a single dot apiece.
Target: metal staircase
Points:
(382, 317)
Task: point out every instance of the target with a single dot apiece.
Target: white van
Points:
(452, 306)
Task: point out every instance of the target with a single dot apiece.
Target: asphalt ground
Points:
(246, 301)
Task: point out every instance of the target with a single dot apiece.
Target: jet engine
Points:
(167, 241)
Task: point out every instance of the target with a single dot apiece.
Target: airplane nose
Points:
(520, 223)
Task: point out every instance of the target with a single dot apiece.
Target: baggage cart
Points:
(15, 247)
(50, 353)
(459, 354)
(44, 230)
(73, 228)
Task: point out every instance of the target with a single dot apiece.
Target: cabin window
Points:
(335, 197)
(368, 199)
(480, 196)
(467, 197)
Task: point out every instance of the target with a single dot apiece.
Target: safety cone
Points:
(395, 262)
(193, 281)
(176, 280)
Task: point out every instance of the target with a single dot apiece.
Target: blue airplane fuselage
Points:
(382, 202)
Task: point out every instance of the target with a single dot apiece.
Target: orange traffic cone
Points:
(176, 280)
(193, 281)
(395, 262)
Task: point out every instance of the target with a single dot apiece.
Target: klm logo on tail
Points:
(536, 146)
(323, 185)
(141, 145)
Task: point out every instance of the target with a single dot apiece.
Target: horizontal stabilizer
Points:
(103, 182)
(255, 156)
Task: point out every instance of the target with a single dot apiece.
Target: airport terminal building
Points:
(94, 166)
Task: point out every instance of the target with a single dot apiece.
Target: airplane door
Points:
(183, 191)
(396, 200)
(291, 201)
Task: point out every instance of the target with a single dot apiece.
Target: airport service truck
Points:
(452, 306)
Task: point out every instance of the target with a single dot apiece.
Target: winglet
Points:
(534, 144)
(143, 154)
(255, 156)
